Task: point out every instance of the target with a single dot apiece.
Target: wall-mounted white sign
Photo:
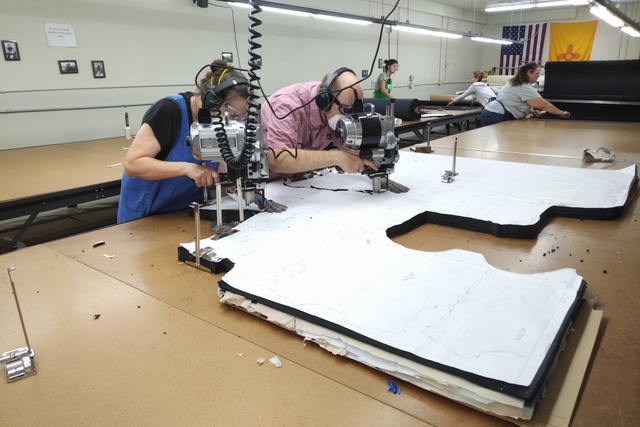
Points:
(60, 35)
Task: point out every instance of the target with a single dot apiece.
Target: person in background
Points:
(519, 98)
(478, 89)
(299, 123)
(160, 172)
(384, 84)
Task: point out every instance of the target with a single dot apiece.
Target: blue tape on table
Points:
(393, 387)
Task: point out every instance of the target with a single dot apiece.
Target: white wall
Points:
(152, 48)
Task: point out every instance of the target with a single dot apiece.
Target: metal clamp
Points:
(447, 177)
(591, 156)
(19, 363)
(198, 253)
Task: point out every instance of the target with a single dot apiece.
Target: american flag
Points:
(514, 55)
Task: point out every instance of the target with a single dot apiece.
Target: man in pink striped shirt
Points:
(299, 125)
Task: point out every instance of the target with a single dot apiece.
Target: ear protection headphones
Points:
(213, 96)
(324, 98)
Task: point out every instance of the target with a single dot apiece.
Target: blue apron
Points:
(141, 197)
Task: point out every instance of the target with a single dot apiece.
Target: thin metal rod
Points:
(455, 151)
(47, 110)
(196, 215)
(106, 88)
(15, 295)
(240, 199)
(219, 205)
(205, 189)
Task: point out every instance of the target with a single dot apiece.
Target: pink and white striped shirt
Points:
(305, 128)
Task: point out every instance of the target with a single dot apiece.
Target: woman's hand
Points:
(203, 176)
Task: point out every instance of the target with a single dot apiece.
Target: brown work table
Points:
(37, 171)
(450, 115)
(164, 351)
(551, 142)
(39, 179)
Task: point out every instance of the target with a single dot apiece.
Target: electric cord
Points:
(253, 108)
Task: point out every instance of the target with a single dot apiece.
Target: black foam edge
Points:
(530, 393)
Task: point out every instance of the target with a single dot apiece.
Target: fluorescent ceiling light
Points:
(503, 7)
(562, 3)
(272, 9)
(341, 19)
(604, 14)
(427, 32)
(412, 30)
(445, 34)
(285, 11)
(631, 31)
(507, 7)
(489, 40)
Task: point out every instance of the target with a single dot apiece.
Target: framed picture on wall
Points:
(98, 69)
(68, 66)
(10, 50)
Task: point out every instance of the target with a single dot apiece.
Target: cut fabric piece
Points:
(449, 311)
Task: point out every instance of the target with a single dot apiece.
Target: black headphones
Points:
(324, 98)
(213, 96)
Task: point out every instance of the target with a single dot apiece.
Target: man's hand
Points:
(351, 162)
(396, 187)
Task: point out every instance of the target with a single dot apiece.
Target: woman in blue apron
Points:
(160, 172)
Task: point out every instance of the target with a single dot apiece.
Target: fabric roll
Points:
(405, 108)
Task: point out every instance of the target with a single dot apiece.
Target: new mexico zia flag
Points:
(572, 42)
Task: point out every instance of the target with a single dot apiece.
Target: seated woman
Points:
(478, 89)
(519, 98)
